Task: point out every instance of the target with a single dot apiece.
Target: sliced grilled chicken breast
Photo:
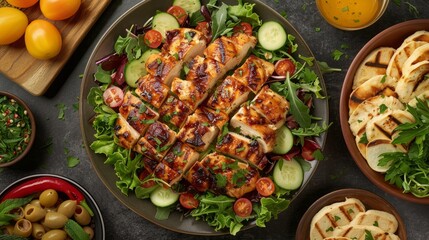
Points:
(413, 82)
(184, 43)
(228, 95)
(137, 114)
(377, 147)
(205, 71)
(217, 118)
(174, 112)
(374, 64)
(149, 164)
(199, 177)
(160, 136)
(334, 215)
(167, 174)
(240, 147)
(254, 125)
(180, 157)
(146, 149)
(254, 73)
(164, 66)
(272, 106)
(337, 238)
(126, 135)
(377, 85)
(384, 220)
(152, 90)
(361, 232)
(198, 132)
(395, 67)
(190, 92)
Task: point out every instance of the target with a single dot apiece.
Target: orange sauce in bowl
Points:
(349, 13)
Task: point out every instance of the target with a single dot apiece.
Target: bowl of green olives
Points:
(47, 206)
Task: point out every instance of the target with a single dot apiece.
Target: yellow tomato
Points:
(59, 9)
(42, 39)
(12, 25)
(22, 3)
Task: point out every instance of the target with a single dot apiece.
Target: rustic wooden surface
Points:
(35, 75)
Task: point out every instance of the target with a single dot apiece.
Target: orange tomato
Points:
(42, 39)
(59, 9)
(12, 25)
(22, 3)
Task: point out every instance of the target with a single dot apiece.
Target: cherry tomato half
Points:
(12, 24)
(204, 27)
(243, 27)
(42, 39)
(22, 3)
(265, 186)
(59, 9)
(243, 207)
(113, 96)
(308, 149)
(283, 66)
(152, 38)
(179, 13)
(188, 201)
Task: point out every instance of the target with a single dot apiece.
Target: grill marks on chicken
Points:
(170, 120)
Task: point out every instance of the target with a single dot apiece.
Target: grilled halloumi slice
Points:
(217, 118)
(228, 95)
(254, 125)
(185, 43)
(370, 108)
(164, 66)
(137, 114)
(413, 82)
(377, 147)
(180, 157)
(230, 51)
(374, 64)
(271, 105)
(127, 136)
(167, 174)
(174, 112)
(199, 177)
(152, 90)
(420, 54)
(254, 73)
(384, 220)
(378, 85)
(205, 71)
(395, 67)
(423, 97)
(189, 92)
(361, 232)
(240, 147)
(198, 132)
(418, 36)
(334, 215)
(156, 141)
(384, 125)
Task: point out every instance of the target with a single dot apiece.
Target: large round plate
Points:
(391, 37)
(139, 14)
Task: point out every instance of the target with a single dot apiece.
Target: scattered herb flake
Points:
(61, 111)
(72, 161)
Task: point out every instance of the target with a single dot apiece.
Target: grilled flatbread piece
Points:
(384, 220)
(414, 81)
(377, 147)
(334, 215)
(395, 67)
(418, 36)
(420, 54)
(370, 108)
(376, 85)
(374, 64)
(358, 232)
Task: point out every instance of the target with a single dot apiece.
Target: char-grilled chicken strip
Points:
(174, 112)
(217, 118)
(126, 135)
(136, 113)
(271, 105)
(243, 148)
(205, 72)
(254, 125)
(184, 43)
(198, 132)
(167, 174)
(152, 90)
(254, 73)
(164, 66)
(180, 157)
(189, 92)
(240, 177)
(199, 177)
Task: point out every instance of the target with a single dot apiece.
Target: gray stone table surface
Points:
(337, 171)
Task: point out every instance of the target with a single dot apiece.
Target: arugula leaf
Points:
(297, 108)
(219, 18)
(314, 130)
(325, 68)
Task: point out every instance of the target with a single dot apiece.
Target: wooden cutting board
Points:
(35, 75)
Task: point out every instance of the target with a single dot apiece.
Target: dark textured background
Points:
(337, 171)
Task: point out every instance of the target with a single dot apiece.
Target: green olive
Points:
(19, 212)
(34, 213)
(48, 198)
(23, 228)
(90, 231)
(82, 216)
(55, 234)
(67, 208)
(35, 202)
(8, 230)
(38, 231)
(54, 220)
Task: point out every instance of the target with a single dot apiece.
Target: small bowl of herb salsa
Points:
(17, 129)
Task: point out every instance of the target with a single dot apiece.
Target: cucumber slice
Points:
(272, 35)
(137, 68)
(284, 140)
(162, 22)
(190, 6)
(288, 174)
(163, 197)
